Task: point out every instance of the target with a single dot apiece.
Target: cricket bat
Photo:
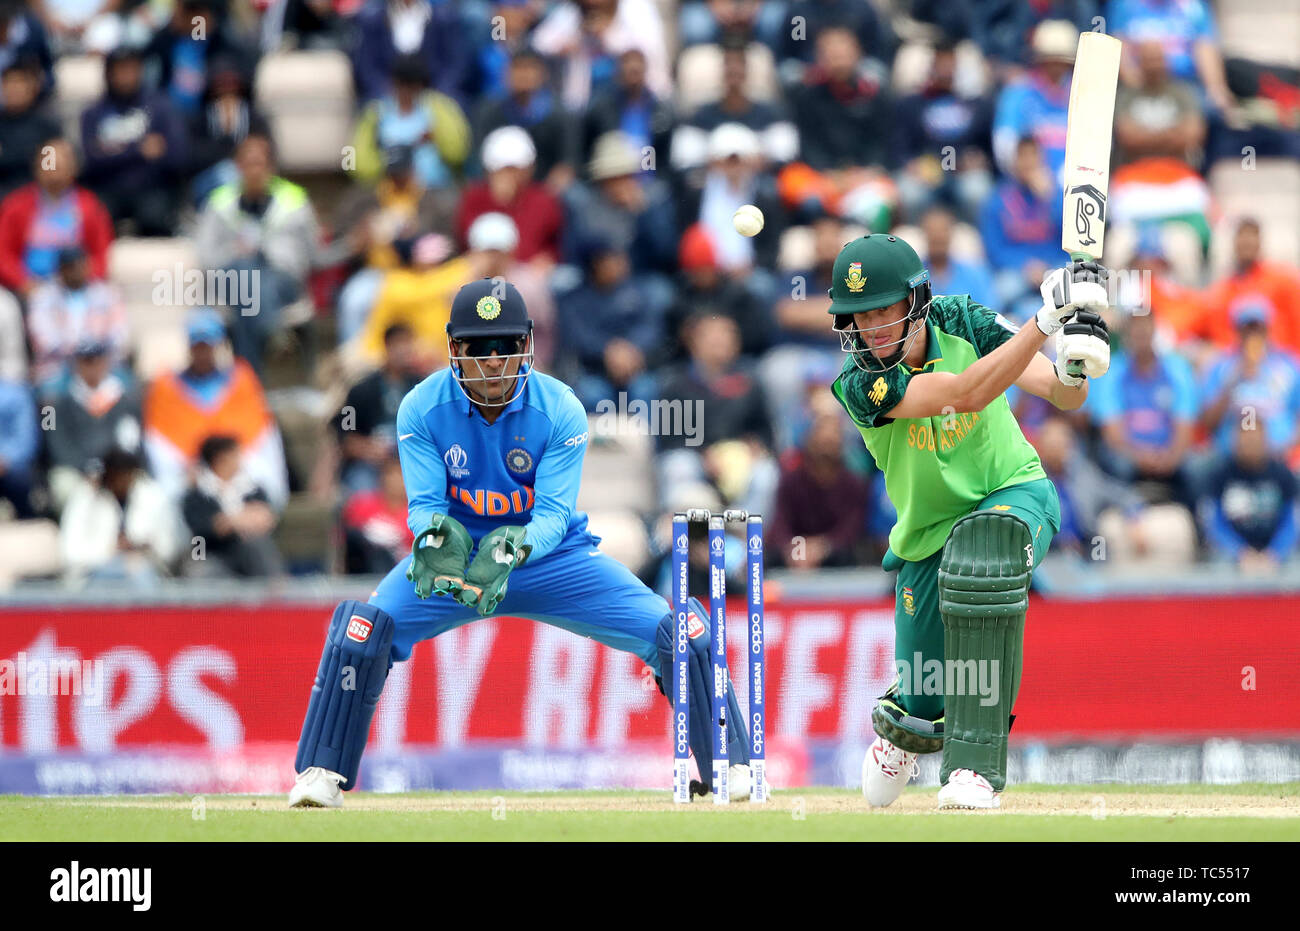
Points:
(1087, 145)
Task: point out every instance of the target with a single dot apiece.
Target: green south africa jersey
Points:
(937, 469)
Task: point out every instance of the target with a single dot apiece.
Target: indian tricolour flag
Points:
(1157, 190)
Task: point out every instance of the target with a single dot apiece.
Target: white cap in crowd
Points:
(733, 139)
(615, 155)
(493, 231)
(508, 147)
(1055, 39)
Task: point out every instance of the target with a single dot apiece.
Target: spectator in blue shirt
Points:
(608, 327)
(1256, 382)
(941, 140)
(951, 275)
(22, 37)
(18, 446)
(1146, 409)
(1001, 27)
(626, 204)
(704, 23)
(1021, 228)
(627, 104)
(181, 53)
(528, 101)
(136, 148)
(1185, 28)
(1038, 104)
(433, 32)
(1250, 509)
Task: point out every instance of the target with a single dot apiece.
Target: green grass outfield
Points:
(1030, 812)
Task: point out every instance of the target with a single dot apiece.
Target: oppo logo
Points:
(757, 730)
(755, 633)
(681, 732)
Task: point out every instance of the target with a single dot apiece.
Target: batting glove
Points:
(1082, 349)
(1079, 286)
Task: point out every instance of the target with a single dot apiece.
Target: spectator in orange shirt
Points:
(1177, 310)
(216, 393)
(1252, 275)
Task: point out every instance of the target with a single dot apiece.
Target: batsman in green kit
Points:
(924, 383)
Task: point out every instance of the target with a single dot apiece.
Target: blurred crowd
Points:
(593, 153)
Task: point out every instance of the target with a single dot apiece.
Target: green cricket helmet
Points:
(872, 272)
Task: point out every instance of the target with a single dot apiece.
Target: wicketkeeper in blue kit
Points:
(491, 453)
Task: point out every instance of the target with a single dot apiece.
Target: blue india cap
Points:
(90, 346)
(1251, 308)
(205, 326)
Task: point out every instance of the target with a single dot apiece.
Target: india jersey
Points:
(937, 469)
(524, 469)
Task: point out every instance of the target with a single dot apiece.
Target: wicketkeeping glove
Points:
(1078, 286)
(498, 554)
(1082, 349)
(440, 557)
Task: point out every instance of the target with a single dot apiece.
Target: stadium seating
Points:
(308, 99)
(78, 82)
(157, 327)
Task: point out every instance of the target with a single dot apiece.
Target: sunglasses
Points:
(485, 346)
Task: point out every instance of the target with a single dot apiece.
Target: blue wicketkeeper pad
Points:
(353, 668)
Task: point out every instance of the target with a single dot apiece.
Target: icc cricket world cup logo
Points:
(1088, 203)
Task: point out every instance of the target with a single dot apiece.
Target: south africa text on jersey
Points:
(953, 429)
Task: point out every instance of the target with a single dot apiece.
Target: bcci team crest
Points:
(878, 391)
(855, 279)
(488, 307)
(518, 461)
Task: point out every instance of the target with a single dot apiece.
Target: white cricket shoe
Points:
(739, 782)
(968, 789)
(885, 771)
(316, 788)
